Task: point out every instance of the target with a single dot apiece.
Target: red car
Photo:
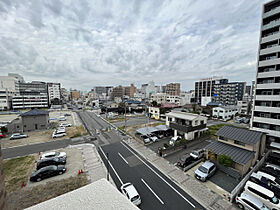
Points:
(2, 135)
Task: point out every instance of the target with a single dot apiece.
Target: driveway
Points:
(224, 181)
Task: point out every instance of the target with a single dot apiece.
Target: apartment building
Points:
(229, 93)
(190, 126)
(160, 98)
(3, 193)
(5, 99)
(187, 97)
(75, 94)
(130, 91)
(205, 88)
(31, 95)
(54, 93)
(266, 109)
(173, 89)
(173, 99)
(118, 92)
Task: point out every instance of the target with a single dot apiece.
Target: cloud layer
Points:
(84, 43)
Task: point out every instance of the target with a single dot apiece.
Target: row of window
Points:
(268, 103)
(235, 141)
(266, 126)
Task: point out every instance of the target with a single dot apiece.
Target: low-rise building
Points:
(173, 99)
(190, 126)
(225, 113)
(243, 146)
(35, 119)
(154, 112)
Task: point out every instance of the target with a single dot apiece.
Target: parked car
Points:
(246, 120)
(51, 161)
(131, 193)
(65, 125)
(174, 139)
(47, 172)
(272, 179)
(274, 157)
(67, 114)
(185, 160)
(57, 134)
(53, 154)
(160, 136)
(153, 138)
(18, 136)
(2, 135)
(62, 118)
(146, 139)
(264, 182)
(197, 154)
(205, 171)
(266, 196)
(249, 202)
(61, 130)
(271, 169)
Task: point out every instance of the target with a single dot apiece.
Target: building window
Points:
(223, 138)
(239, 143)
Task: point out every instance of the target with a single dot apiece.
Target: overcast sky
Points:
(85, 43)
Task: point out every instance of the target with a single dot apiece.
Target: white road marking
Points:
(123, 158)
(152, 191)
(159, 176)
(111, 166)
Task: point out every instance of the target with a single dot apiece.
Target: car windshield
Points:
(275, 200)
(57, 153)
(203, 169)
(135, 198)
(195, 153)
(183, 158)
(264, 207)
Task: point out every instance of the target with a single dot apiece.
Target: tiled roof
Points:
(35, 112)
(240, 134)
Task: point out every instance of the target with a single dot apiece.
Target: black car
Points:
(47, 172)
(271, 171)
(185, 160)
(266, 184)
(51, 161)
(274, 157)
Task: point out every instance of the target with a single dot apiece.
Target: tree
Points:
(225, 160)
(4, 129)
(154, 103)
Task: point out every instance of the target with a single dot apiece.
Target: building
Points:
(205, 88)
(54, 93)
(75, 95)
(35, 119)
(186, 97)
(118, 92)
(154, 112)
(5, 99)
(266, 108)
(229, 93)
(3, 193)
(103, 92)
(173, 99)
(173, 89)
(101, 195)
(244, 107)
(243, 146)
(31, 95)
(160, 98)
(148, 89)
(225, 113)
(65, 94)
(190, 126)
(130, 91)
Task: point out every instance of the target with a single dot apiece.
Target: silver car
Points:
(18, 136)
(247, 201)
(205, 171)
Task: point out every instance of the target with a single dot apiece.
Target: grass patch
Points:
(214, 128)
(28, 196)
(16, 171)
(77, 131)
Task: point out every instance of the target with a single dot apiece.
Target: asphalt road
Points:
(155, 189)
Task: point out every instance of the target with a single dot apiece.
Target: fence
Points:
(241, 184)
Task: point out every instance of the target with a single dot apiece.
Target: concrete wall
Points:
(15, 126)
(30, 122)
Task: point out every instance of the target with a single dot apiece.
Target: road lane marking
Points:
(123, 158)
(158, 175)
(111, 166)
(152, 191)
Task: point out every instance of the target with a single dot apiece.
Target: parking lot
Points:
(134, 121)
(74, 163)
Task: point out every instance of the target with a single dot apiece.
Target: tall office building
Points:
(205, 88)
(266, 110)
(54, 93)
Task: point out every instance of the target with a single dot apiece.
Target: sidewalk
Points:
(189, 184)
(94, 167)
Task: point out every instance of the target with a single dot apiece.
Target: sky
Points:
(87, 43)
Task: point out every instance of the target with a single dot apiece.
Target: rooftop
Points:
(35, 112)
(183, 115)
(240, 134)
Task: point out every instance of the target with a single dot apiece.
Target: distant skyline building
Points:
(266, 109)
(54, 93)
(173, 89)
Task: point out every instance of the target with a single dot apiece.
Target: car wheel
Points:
(60, 173)
(39, 179)
(240, 206)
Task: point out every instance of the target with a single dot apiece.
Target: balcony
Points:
(269, 62)
(269, 50)
(269, 86)
(271, 12)
(267, 109)
(267, 97)
(266, 120)
(185, 128)
(272, 24)
(271, 37)
(269, 74)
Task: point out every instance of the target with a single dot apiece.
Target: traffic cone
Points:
(22, 184)
(79, 172)
(82, 171)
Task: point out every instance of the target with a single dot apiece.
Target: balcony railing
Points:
(186, 128)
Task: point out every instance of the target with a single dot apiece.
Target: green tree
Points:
(4, 129)
(225, 160)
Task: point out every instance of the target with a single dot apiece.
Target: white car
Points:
(53, 154)
(153, 138)
(62, 118)
(174, 139)
(197, 154)
(57, 134)
(131, 193)
(65, 125)
(18, 136)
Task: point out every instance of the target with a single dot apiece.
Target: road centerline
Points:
(158, 175)
(111, 166)
(123, 158)
(152, 191)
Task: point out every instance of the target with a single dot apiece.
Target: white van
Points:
(265, 195)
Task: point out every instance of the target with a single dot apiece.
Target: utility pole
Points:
(108, 167)
(125, 117)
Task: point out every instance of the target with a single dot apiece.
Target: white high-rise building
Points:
(54, 93)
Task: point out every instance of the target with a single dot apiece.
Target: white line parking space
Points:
(158, 175)
(111, 166)
(123, 158)
(152, 191)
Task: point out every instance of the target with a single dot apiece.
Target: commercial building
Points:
(117, 92)
(173, 89)
(266, 109)
(229, 93)
(65, 94)
(225, 112)
(54, 93)
(190, 126)
(130, 91)
(243, 146)
(205, 88)
(160, 98)
(173, 99)
(186, 97)
(3, 193)
(75, 94)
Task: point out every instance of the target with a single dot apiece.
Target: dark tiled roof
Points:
(35, 112)
(237, 154)
(240, 134)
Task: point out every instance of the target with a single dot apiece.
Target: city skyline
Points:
(86, 44)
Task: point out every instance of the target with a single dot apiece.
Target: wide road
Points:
(155, 189)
